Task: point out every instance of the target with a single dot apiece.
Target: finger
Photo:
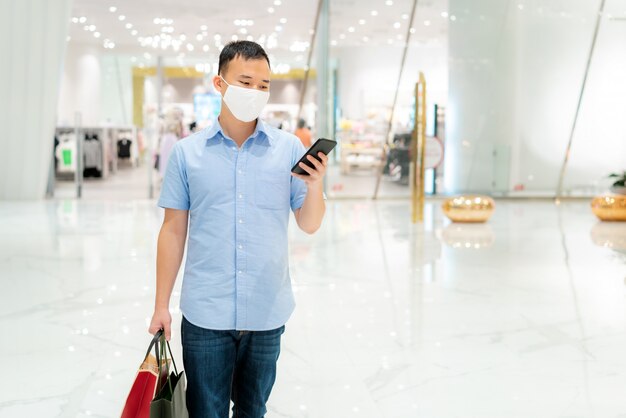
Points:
(315, 162)
(168, 332)
(323, 157)
(307, 168)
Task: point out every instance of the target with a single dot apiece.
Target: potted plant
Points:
(619, 186)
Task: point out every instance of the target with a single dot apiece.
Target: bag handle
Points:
(155, 343)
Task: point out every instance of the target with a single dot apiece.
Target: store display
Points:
(92, 153)
(469, 208)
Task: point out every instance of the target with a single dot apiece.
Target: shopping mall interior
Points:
(472, 257)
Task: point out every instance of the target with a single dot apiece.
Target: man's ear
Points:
(218, 84)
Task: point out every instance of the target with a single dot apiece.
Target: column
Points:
(33, 37)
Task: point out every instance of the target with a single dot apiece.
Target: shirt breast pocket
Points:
(272, 190)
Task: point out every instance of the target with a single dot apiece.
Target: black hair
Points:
(246, 49)
(301, 123)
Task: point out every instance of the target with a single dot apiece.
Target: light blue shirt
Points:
(237, 269)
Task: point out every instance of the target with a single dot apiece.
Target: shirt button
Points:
(240, 171)
(240, 247)
(240, 196)
(240, 272)
(240, 221)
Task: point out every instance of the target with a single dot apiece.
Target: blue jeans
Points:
(225, 365)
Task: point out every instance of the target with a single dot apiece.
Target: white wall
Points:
(80, 85)
(367, 76)
(515, 74)
(32, 44)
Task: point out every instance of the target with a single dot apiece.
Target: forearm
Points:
(313, 209)
(170, 249)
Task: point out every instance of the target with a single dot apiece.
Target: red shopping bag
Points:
(148, 381)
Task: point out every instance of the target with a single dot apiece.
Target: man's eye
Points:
(245, 83)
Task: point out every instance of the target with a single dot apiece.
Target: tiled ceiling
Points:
(197, 29)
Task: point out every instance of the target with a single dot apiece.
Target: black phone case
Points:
(321, 145)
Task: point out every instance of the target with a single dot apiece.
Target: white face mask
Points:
(245, 104)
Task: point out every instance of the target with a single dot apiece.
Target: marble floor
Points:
(522, 317)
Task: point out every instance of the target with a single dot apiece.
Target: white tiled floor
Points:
(523, 317)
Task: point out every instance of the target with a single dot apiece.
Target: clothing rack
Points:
(100, 157)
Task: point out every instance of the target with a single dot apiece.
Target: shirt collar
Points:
(215, 132)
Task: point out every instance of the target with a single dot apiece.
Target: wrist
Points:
(317, 187)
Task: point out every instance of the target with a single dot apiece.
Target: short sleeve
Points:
(175, 187)
(298, 187)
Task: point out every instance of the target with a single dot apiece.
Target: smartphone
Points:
(321, 145)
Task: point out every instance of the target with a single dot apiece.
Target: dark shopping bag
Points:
(148, 382)
(170, 402)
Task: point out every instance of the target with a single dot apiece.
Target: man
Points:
(232, 182)
(303, 133)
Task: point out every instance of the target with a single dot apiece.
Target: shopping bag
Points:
(170, 401)
(148, 381)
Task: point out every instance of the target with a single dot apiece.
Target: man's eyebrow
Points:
(247, 77)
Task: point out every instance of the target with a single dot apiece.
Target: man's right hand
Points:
(161, 319)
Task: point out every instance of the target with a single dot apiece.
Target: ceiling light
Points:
(237, 22)
(96, 34)
(374, 13)
(351, 29)
(121, 18)
(189, 47)
(427, 23)
(199, 37)
(112, 9)
(283, 20)
(134, 32)
(217, 37)
(204, 27)
(83, 19)
(129, 26)
(396, 25)
(74, 20)
(270, 10)
(453, 18)
(405, 16)
(147, 55)
(277, 2)
(361, 21)
(69, 38)
(205, 48)
(243, 31)
(234, 38)
(182, 37)
(412, 30)
(278, 28)
(444, 15)
(157, 21)
(389, 3)
(92, 28)
(333, 43)
(250, 38)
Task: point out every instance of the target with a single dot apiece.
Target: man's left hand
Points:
(316, 175)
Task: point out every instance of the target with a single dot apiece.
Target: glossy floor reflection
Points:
(522, 317)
